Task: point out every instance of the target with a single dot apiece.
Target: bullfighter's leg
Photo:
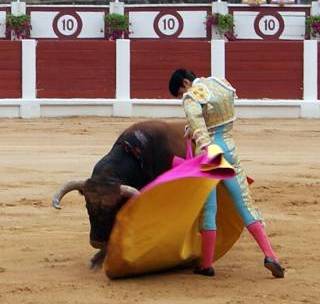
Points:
(239, 190)
(208, 235)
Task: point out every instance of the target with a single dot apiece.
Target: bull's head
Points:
(103, 201)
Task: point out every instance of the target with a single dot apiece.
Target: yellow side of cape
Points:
(159, 229)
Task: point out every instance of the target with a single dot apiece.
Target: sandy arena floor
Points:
(44, 253)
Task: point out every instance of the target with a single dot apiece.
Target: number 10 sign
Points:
(67, 23)
(269, 24)
(168, 23)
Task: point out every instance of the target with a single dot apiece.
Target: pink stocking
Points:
(208, 239)
(258, 232)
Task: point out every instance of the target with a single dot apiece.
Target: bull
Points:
(140, 154)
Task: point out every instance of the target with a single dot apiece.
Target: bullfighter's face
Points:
(103, 201)
(186, 85)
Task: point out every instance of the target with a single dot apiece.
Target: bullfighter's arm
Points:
(193, 110)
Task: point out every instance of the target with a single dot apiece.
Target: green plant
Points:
(19, 25)
(116, 26)
(313, 25)
(224, 24)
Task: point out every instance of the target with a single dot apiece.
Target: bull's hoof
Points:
(97, 260)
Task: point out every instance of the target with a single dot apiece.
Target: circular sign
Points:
(168, 25)
(269, 25)
(67, 25)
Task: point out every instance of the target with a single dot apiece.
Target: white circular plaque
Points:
(269, 25)
(168, 25)
(67, 25)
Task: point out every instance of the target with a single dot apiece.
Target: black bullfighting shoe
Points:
(275, 268)
(209, 272)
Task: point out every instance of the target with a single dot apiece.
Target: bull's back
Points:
(169, 133)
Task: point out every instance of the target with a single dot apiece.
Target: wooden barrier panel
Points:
(70, 69)
(266, 69)
(10, 69)
(152, 63)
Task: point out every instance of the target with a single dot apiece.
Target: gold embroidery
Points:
(207, 104)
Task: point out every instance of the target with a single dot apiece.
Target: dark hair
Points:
(176, 80)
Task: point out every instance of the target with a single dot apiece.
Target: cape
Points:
(159, 229)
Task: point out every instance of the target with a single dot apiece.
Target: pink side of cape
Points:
(182, 168)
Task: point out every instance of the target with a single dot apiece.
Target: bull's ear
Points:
(128, 191)
(134, 150)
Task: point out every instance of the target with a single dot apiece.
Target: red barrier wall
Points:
(266, 69)
(152, 63)
(70, 69)
(10, 69)
(318, 70)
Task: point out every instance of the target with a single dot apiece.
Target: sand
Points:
(44, 253)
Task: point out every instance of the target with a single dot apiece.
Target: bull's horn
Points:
(67, 187)
(128, 191)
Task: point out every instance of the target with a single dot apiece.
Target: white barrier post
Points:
(18, 8)
(315, 8)
(218, 8)
(117, 7)
(29, 106)
(218, 58)
(122, 106)
(310, 107)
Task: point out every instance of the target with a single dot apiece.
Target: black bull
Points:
(140, 154)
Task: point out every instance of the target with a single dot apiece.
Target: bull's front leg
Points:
(97, 260)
